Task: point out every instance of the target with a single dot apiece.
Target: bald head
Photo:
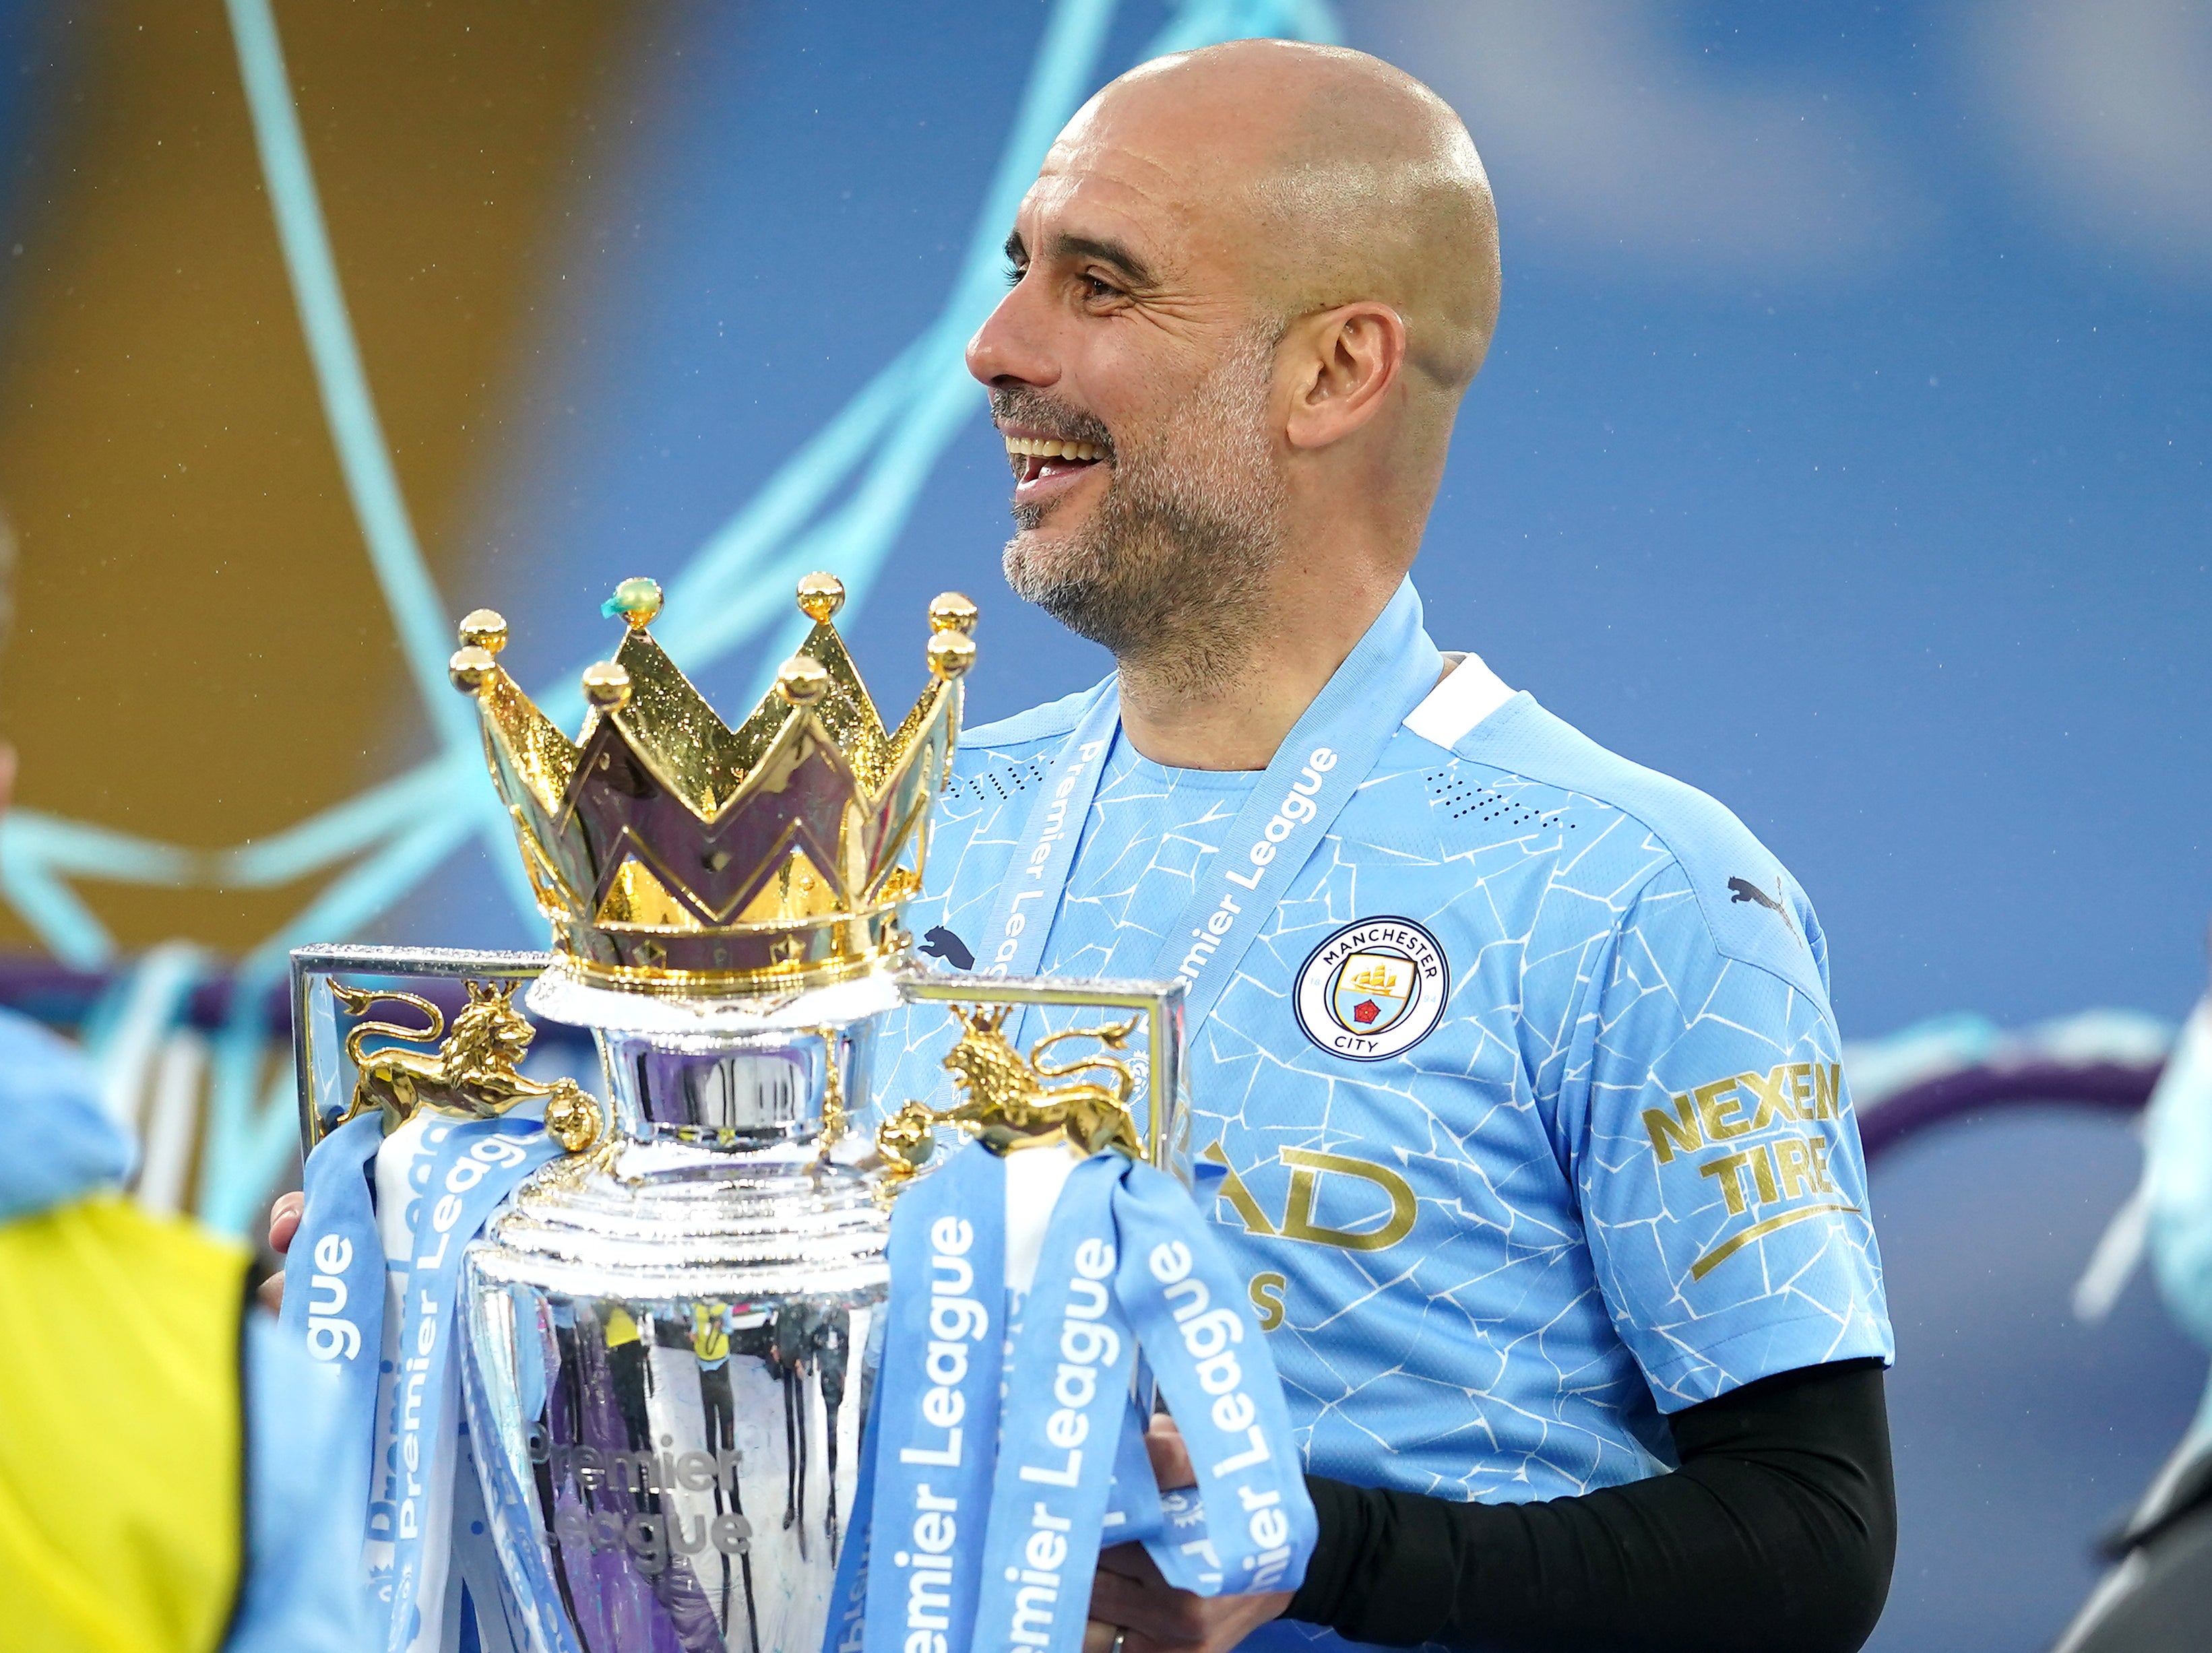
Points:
(1249, 288)
(1327, 175)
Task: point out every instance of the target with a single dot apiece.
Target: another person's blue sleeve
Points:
(306, 1485)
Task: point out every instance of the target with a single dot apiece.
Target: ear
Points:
(1342, 364)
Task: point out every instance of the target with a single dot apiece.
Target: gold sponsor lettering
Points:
(1239, 1196)
(1773, 1094)
(1783, 1167)
(1789, 1091)
(1827, 1088)
(1298, 1214)
(1762, 1170)
(1298, 1224)
(1801, 1090)
(1786, 1168)
(1793, 1165)
(1724, 1170)
(1672, 1136)
(1266, 1295)
(1722, 1120)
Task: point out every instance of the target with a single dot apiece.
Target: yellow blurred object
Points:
(710, 1336)
(121, 1465)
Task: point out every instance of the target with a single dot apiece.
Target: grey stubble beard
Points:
(1172, 571)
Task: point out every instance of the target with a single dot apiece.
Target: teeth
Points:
(1039, 447)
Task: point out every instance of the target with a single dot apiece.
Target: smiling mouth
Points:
(1036, 458)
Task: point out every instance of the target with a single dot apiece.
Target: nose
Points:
(1011, 347)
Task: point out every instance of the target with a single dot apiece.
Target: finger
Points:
(1097, 1637)
(1163, 1614)
(1131, 1561)
(1171, 1465)
(271, 1294)
(284, 1221)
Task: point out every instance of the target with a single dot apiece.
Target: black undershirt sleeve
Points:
(1777, 1531)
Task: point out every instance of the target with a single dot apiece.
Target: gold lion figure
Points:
(472, 1073)
(1008, 1104)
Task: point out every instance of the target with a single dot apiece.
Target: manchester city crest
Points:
(1373, 989)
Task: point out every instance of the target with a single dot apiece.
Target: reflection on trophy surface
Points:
(668, 1331)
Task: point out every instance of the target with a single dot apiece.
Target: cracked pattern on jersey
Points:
(1620, 1177)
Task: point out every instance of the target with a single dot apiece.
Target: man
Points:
(1515, 1060)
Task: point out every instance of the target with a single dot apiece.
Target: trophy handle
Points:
(472, 1072)
(1008, 1102)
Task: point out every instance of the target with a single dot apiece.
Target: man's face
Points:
(1130, 374)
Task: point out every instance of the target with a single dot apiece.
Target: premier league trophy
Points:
(619, 1367)
(665, 1333)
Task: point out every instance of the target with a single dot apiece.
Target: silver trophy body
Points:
(668, 1337)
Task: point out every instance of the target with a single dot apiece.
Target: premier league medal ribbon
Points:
(474, 1166)
(1219, 1384)
(1128, 1266)
(937, 1406)
(334, 1272)
(1067, 1389)
(1321, 764)
(335, 1297)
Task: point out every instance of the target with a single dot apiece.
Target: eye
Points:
(1095, 287)
(1015, 272)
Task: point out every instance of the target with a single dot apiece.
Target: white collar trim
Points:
(1469, 693)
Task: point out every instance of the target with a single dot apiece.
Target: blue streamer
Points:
(888, 438)
(418, 614)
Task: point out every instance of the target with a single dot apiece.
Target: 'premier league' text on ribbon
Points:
(1297, 805)
(1320, 765)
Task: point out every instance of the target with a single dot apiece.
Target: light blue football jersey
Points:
(1527, 1095)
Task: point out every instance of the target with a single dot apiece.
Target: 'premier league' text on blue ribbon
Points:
(1319, 766)
(1129, 1265)
(334, 1291)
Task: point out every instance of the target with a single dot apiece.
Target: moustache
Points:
(1041, 412)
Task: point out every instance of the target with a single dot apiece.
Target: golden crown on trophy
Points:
(674, 854)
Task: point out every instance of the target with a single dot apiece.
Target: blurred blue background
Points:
(1843, 451)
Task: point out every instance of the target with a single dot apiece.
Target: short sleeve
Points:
(1717, 1160)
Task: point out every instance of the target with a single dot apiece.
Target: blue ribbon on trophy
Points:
(373, 1287)
(1129, 1263)
(473, 1166)
(938, 1393)
(460, 1170)
(334, 1273)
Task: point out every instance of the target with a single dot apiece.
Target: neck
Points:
(1263, 668)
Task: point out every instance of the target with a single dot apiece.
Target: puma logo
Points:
(1742, 889)
(942, 943)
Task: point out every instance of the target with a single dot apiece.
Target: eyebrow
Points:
(1138, 272)
(1132, 269)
